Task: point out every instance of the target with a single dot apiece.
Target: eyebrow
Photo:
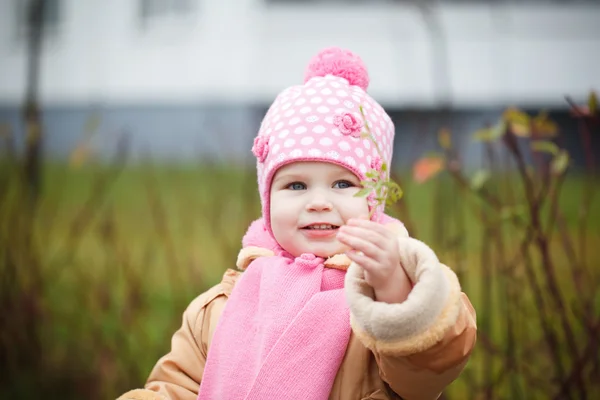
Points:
(289, 177)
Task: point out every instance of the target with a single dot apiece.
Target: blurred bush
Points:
(95, 274)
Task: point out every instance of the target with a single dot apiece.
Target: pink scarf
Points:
(282, 335)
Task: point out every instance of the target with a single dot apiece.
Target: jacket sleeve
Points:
(178, 374)
(422, 344)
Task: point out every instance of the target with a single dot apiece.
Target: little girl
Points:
(336, 301)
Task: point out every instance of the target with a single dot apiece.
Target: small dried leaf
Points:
(479, 179)
(444, 139)
(544, 126)
(427, 167)
(560, 162)
(514, 115)
(490, 134)
(545, 146)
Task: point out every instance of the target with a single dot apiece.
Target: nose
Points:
(319, 202)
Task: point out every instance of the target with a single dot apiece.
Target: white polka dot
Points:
(362, 168)
(294, 121)
(336, 132)
(305, 110)
(300, 101)
(323, 109)
(280, 157)
(271, 163)
(279, 126)
(316, 100)
(342, 93)
(382, 123)
(289, 143)
(314, 152)
(312, 118)
(367, 106)
(369, 160)
(333, 101)
(276, 118)
(325, 142)
(333, 154)
(344, 145)
(367, 143)
(307, 140)
(320, 83)
(350, 161)
(359, 152)
(376, 111)
(340, 110)
(356, 98)
(275, 149)
(377, 131)
(283, 133)
(335, 84)
(296, 153)
(384, 140)
(289, 113)
(329, 120)
(319, 129)
(326, 92)
(269, 130)
(349, 104)
(286, 106)
(299, 130)
(311, 91)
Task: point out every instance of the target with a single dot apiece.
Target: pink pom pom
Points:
(341, 63)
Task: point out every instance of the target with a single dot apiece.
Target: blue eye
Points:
(296, 186)
(343, 185)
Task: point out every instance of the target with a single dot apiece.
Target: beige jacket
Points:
(412, 350)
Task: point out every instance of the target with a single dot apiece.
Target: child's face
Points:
(309, 196)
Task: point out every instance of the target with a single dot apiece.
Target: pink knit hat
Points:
(321, 121)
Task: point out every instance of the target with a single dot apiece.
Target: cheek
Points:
(355, 207)
(280, 215)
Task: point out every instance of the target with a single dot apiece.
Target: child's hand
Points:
(375, 248)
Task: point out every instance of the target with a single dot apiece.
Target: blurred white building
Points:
(468, 53)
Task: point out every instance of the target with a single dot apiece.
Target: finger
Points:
(368, 224)
(359, 244)
(365, 262)
(366, 234)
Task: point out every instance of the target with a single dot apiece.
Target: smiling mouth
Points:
(320, 227)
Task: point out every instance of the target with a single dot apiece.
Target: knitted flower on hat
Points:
(325, 120)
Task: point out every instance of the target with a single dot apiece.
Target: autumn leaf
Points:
(518, 121)
(545, 146)
(544, 126)
(490, 134)
(560, 162)
(427, 167)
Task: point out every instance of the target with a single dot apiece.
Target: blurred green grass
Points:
(123, 252)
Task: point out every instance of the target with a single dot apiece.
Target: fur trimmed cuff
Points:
(421, 320)
(142, 394)
(249, 254)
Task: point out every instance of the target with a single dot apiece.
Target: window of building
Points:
(153, 11)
